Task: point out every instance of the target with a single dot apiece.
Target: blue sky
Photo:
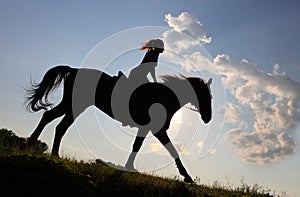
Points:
(36, 36)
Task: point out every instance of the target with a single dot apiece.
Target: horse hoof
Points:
(130, 168)
(188, 180)
(55, 155)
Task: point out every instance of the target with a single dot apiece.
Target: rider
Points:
(137, 77)
(139, 74)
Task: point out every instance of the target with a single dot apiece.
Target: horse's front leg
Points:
(141, 134)
(165, 140)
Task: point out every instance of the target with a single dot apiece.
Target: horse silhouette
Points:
(148, 106)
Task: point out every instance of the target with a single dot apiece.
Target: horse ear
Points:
(209, 82)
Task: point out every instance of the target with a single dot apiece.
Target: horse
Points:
(150, 106)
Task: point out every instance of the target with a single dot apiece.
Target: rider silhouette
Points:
(137, 77)
(139, 74)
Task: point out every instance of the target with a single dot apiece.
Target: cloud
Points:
(273, 99)
(189, 25)
(232, 113)
(200, 145)
(185, 27)
(158, 148)
(262, 148)
(212, 151)
(266, 105)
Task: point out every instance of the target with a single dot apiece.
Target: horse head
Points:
(204, 97)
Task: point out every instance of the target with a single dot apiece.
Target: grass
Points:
(29, 173)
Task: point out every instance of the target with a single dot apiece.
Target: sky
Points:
(249, 48)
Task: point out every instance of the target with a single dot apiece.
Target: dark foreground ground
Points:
(33, 173)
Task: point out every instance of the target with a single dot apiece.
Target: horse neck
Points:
(184, 91)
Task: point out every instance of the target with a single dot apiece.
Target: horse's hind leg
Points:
(61, 129)
(135, 149)
(47, 117)
(165, 140)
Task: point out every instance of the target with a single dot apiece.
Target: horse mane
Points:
(173, 79)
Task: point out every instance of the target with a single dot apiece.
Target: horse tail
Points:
(37, 97)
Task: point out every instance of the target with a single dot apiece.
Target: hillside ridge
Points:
(34, 173)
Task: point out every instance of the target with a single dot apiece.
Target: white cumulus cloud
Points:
(272, 98)
(189, 25)
(159, 148)
(187, 28)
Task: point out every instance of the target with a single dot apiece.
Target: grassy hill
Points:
(33, 173)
